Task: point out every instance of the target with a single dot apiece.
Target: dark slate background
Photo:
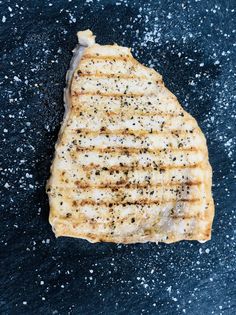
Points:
(193, 44)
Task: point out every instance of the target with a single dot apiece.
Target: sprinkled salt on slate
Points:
(192, 44)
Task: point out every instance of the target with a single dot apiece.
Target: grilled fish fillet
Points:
(130, 164)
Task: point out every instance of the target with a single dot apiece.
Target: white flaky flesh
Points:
(86, 38)
(130, 164)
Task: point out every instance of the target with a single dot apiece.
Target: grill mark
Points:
(118, 112)
(127, 150)
(113, 58)
(111, 75)
(125, 96)
(85, 219)
(119, 167)
(118, 95)
(125, 184)
(144, 201)
(133, 132)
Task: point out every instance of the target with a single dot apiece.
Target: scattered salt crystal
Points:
(72, 18)
(228, 143)
(16, 78)
(169, 289)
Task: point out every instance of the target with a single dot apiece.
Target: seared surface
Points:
(130, 164)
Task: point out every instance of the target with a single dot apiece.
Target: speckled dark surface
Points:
(192, 43)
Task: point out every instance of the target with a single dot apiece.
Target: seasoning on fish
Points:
(130, 165)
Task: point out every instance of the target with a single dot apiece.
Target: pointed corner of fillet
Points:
(86, 38)
(54, 224)
(205, 236)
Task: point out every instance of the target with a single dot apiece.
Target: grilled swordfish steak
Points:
(130, 165)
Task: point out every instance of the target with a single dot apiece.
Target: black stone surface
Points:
(193, 44)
